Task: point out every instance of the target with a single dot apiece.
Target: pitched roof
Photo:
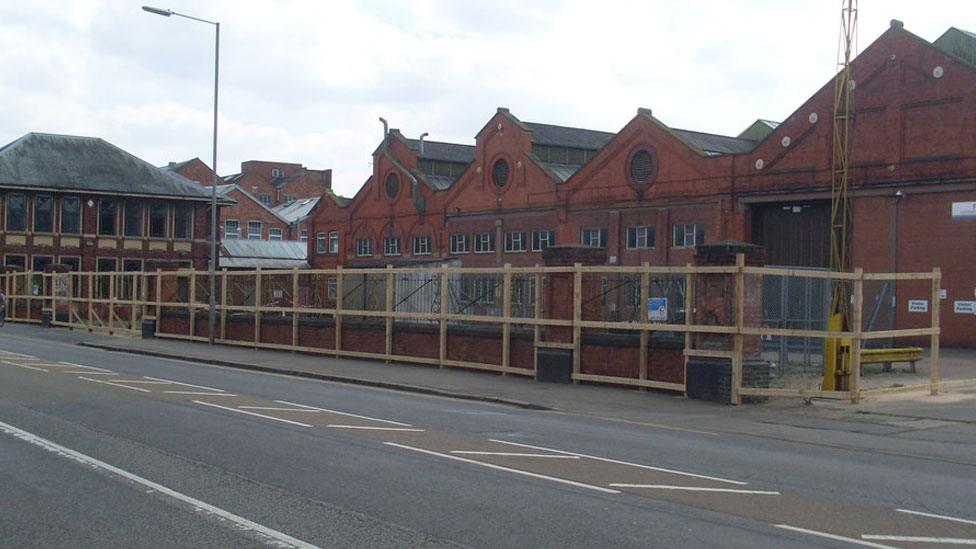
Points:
(445, 152)
(87, 164)
(563, 136)
(958, 43)
(237, 253)
(297, 210)
(714, 144)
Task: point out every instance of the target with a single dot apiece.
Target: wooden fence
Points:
(495, 319)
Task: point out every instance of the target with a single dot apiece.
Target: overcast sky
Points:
(304, 81)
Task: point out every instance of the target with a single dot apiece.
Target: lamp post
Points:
(213, 188)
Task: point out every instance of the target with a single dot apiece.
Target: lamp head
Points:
(158, 11)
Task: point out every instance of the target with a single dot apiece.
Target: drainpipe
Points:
(422, 136)
(397, 164)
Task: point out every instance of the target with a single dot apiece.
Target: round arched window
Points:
(641, 168)
(392, 185)
(499, 172)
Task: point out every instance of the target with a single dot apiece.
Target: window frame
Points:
(364, 247)
(23, 213)
(115, 217)
(272, 231)
(484, 243)
(634, 237)
(303, 235)
(236, 234)
(425, 249)
(188, 223)
(50, 214)
(260, 226)
(515, 245)
(135, 204)
(586, 237)
(320, 243)
(154, 208)
(537, 240)
(79, 211)
(697, 235)
(460, 243)
(391, 246)
(334, 243)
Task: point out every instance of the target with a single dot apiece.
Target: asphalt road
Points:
(110, 449)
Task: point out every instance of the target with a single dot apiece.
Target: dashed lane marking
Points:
(214, 389)
(835, 537)
(370, 428)
(280, 539)
(143, 382)
(72, 364)
(696, 489)
(921, 539)
(512, 454)
(87, 373)
(347, 414)
(24, 366)
(199, 393)
(278, 409)
(140, 389)
(627, 463)
(506, 469)
(932, 515)
(229, 409)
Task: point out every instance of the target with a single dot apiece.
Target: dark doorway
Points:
(795, 234)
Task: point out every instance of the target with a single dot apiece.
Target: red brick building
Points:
(649, 192)
(84, 203)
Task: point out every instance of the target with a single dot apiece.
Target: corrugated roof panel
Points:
(266, 249)
(562, 136)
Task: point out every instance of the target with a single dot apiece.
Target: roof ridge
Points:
(568, 127)
(712, 134)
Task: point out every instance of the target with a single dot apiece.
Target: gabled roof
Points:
(340, 201)
(176, 166)
(444, 152)
(758, 130)
(714, 144)
(87, 164)
(224, 190)
(297, 210)
(958, 43)
(563, 136)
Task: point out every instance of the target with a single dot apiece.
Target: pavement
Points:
(953, 411)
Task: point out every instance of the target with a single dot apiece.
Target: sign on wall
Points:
(964, 307)
(657, 309)
(918, 305)
(964, 210)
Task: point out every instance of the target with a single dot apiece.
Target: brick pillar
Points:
(558, 302)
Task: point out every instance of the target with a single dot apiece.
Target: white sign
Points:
(942, 293)
(657, 309)
(964, 307)
(964, 210)
(918, 305)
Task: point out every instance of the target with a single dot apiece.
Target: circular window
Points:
(641, 167)
(392, 185)
(499, 172)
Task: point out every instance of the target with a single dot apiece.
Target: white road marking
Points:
(619, 462)
(24, 366)
(696, 489)
(347, 414)
(250, 413)
(143, 382)
(199, 393)
(141, 390)
(214, 389)
(368, 428)
(90, 373)
(931, 515)
(278, 409)
(922, 539)
(506, 469)
(511, 454)
(85, 367)
(11, 353)
(855, 541)
(243, 523)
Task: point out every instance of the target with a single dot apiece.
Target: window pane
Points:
(232, 229)
(43, 213)
(254, 230)
(320, 243)
(133, 218)
(16, 215)
(70, 215)
(182, 221)
(107, 225)
(157, 220)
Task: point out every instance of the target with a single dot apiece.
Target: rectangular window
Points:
(391, 245)
(484, 243)
(290, 198)
(593, 238)
(515, 242)
(18, 262)
(320, 243)
(266, 199)
(332, 288)
(254, 230)
(274, 234)
(38, 262)
(364, 247)
(73, 262)
(421, 245)
(132, 218)
(158, 212)
(70, 215)
(303, 235)
(107, 217)
(542, 240)
(459, 244)
(126, 282)
(334, 243)
(43, 213)
(484, 290)
(183, 221)
(232, 229)
(687, 235)
(16, 213)
(640, 237)
(103, 282)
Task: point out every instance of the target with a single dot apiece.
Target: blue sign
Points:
(657, 309)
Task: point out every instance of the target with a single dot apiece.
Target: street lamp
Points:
(213, 188)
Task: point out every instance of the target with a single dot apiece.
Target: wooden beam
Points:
(577, 316)
(645, 293)
(506, 317)
(934, 373)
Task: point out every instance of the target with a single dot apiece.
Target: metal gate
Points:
(800, 303)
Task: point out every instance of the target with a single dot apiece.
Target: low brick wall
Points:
(601, 353)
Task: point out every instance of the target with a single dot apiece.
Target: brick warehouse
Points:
(651, 193)
(86, 204)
